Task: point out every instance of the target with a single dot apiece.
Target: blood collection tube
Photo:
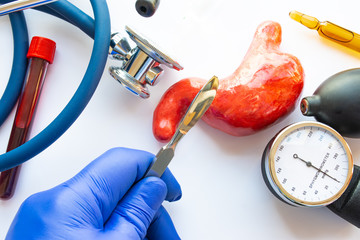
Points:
(41, 54)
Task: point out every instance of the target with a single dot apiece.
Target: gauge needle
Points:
(309, 164)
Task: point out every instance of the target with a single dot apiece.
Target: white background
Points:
(224, 195)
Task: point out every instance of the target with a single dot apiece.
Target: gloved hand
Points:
(105, 200)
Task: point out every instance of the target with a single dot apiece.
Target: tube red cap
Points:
(41, 47)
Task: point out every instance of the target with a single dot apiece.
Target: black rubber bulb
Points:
(336, 102)
(147, 8)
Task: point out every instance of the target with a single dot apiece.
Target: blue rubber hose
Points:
(68, 12)
(81, 97)
(19, 65)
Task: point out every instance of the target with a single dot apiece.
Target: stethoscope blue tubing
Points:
(70, 13)
(99, 29)
(18, 70)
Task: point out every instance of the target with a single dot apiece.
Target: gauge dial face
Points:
(310, 163)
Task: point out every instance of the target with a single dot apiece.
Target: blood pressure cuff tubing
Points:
(348, 205)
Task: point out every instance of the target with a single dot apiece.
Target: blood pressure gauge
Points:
(307, 164)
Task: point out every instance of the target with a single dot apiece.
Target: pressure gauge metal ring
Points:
(307, 164)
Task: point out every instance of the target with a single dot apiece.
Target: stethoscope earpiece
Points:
(147, 8)
(140, 65)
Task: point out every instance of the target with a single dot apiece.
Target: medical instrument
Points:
(21, 5)
(147, 8)
(196, 110)
(329, 30)
(140, 65)
(309, 164)
(97, 28)
(41, 54)
(336, 102)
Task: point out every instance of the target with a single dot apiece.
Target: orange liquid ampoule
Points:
(329, 30)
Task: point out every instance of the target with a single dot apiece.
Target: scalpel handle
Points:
(162, 160)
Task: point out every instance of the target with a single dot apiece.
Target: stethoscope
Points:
(139, 67)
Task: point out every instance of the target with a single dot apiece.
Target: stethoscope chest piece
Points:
(140, 65)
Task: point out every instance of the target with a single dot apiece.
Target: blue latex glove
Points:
(105, 200)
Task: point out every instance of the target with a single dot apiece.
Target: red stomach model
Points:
(264, 88)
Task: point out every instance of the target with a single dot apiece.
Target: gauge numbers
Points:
(310, 164)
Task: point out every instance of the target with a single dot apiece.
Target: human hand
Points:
(106, 200)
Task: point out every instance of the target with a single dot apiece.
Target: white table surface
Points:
(224, 195)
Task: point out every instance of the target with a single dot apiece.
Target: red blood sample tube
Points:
(41, 54)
